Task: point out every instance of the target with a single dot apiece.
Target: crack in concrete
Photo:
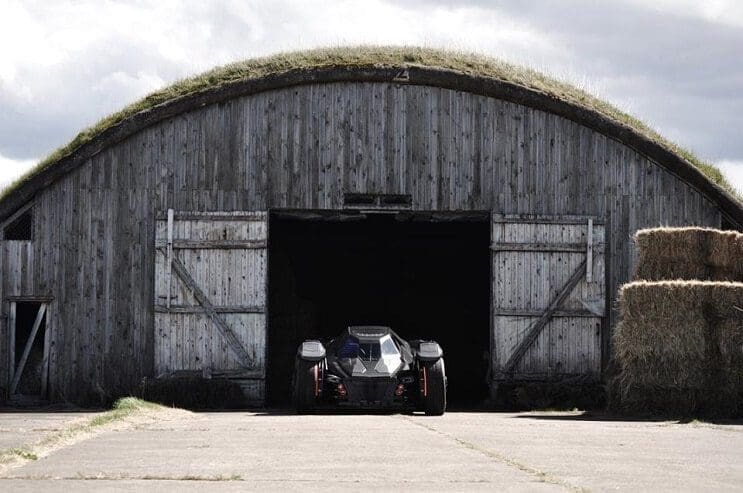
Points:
(541, 476)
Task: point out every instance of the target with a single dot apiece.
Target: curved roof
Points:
(417, 66)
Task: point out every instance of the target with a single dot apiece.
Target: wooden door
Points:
(549, 297)
(29, 368)
(210, 296)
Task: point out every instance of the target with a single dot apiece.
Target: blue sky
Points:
(674, 64)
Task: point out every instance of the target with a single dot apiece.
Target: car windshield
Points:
(368, 351)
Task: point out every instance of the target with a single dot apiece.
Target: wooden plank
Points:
(45, 359)
(11, 341)
(32, 299)
(218, 309)
(589, 252)
(543, 219)
(214, 216)
(169, 269)
(243, 373)
(543, 247)
(515, 312)
(543, 376)
(27, 350)
(536, 329)
(213, 244)
(201, 297)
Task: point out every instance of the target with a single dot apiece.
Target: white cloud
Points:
(733, 170)
(74, 62)
(11, 169)
(728, 12)
(671, 62)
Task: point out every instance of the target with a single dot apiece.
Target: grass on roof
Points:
(366, 56)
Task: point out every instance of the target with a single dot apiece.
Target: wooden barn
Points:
(206, 230)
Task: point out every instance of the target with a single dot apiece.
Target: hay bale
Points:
(679, 348)
(689, 253)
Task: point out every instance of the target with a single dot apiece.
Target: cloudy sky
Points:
(677, 64)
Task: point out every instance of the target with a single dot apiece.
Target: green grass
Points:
(374, 56)
(18, 452)
(123, 408)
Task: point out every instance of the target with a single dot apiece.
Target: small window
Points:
(359, 199)
(22, 229)
(728, 225)
(383, 200)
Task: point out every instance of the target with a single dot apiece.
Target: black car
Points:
(370, 367)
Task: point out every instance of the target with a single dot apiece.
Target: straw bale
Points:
(679, 348)
(689, 253)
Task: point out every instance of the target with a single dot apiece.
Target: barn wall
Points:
(302, 147)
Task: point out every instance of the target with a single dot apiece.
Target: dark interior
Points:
(425, 276)
(30, 382)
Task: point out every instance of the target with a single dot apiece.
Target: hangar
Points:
(210, 228)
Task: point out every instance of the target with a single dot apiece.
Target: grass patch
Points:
(18, 452)
(376, 56)
(122, 409)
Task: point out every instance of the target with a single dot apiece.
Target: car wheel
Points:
(434, 388)
(307, 381)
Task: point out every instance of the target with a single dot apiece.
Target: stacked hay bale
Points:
(689, 253)
(679, 346)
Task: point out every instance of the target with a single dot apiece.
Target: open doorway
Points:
(29, 349)
(425, 275)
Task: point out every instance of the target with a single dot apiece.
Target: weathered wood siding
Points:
(225, 256)
(533, 260)
(302, 147)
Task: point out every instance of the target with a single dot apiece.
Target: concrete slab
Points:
(22, 428)
(603, 455)
(456, 452)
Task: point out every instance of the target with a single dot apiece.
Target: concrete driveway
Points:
(457, 452)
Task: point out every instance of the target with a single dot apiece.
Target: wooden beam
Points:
(31, 299)
(200, 309)
(536, 329)
(589, 252)
(45, 360)
(27, 349)
(11, 343)
(541, 247)
(245, 373)
(232, 341)
(501, 377)
(171, 214)
(214, 216)
(542, 219)
(505, 312)
(213, 244)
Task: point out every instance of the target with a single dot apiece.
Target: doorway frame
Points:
(45, 304)
(349, 213)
